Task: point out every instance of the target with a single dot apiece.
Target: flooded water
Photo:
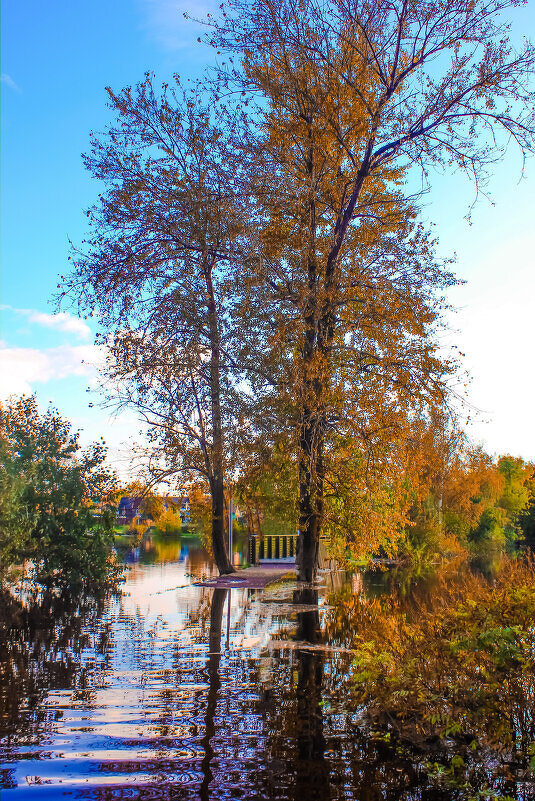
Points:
(178, 691)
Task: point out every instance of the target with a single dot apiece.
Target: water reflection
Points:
(214, 685)
(43, 648)
(173, 690)
(312, 767)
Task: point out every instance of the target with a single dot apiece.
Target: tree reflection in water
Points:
(214, 685)
(139, 698)
(311, 766)
(40, 646)
(295, 767)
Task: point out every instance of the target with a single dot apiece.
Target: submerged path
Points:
(256, 577)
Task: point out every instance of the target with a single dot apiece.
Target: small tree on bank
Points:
(48, 493)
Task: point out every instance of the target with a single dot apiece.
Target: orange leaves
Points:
(455, 662)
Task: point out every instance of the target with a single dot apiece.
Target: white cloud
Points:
(63, 321)
(7, 80)
(166, 24)
(21, 368)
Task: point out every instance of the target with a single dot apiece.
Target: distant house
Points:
(180, 504)
(128, 509)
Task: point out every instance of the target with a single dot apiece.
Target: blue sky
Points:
(57, 58)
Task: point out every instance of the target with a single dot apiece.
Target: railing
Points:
(271, 546)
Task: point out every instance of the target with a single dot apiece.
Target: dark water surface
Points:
(178, 691)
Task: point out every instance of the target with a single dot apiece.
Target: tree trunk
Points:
(318, 340)
(310, 488)
(311, 466)
(310, 497)
(219, 548)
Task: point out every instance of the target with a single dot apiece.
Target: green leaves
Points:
(448, 670)
(46, 487)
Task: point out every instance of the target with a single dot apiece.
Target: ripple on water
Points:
(166, 694)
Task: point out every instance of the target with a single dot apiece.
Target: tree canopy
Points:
(348, 96)
(49, 489)
(160, 273)
(257, 264)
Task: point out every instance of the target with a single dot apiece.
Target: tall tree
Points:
(382, 368)
(351, 94)
(160, 273)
